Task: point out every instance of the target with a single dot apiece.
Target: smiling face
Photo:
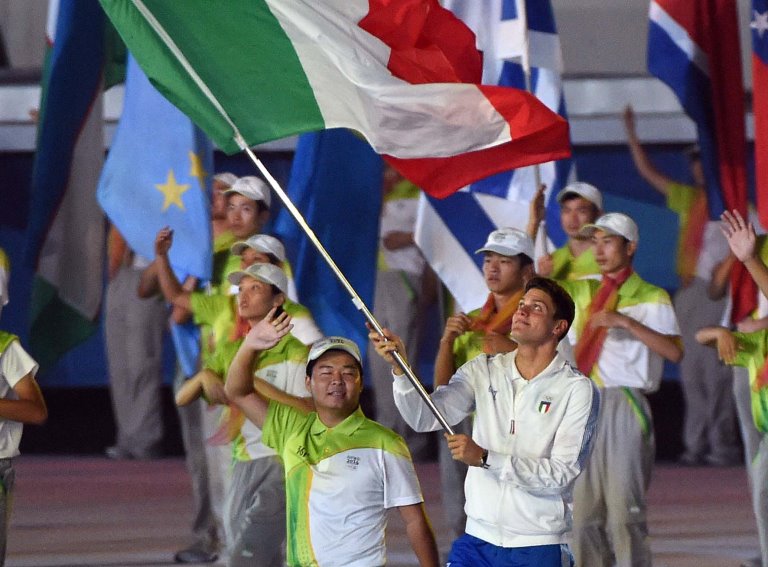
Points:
(534, 321)
(335, 385)
(575, 212)
(255, 298)
(613, 253)
(503, 274)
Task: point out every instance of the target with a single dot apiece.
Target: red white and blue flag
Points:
(450, 230)
(693, 47)
(759, 25)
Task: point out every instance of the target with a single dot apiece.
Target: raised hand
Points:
(740, 235)
(163, 241)
(268, 332)
(387, 345)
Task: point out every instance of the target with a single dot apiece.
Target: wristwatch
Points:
(484, 459)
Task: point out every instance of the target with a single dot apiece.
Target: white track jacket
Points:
(538, 432)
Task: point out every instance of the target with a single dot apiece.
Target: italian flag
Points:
(404, 74)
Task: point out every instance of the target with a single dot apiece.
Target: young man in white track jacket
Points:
(534, 421)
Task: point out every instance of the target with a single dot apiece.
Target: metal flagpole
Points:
(526, 62)
(165, 37)
(358, 303)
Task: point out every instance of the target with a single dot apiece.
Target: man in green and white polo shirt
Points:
(624, 329)
(254, 509)
(342, 470)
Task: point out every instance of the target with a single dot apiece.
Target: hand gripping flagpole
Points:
(356, 300)
(166, 38)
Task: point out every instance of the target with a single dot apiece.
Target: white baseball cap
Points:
(584, 190)
(334, 343)
(252, 187)
(508, 242)
(226, 178)
(266, 273)
(615, 223)
(261, 243)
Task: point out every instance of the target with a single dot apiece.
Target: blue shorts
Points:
(469, 551)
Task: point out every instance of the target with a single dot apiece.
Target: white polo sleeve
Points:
(15, 363)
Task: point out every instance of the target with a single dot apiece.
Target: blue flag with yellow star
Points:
(158, 173)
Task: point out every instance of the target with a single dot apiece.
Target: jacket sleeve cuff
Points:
(495, 461)
(401, 383)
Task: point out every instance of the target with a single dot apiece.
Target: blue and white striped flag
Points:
(450, 230)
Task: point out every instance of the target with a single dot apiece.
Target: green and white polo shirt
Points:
(15, 364)
(283, 366)
(339, 482)
(624, 360)
(752, 353)
(566, 266)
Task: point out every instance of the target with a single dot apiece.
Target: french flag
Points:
(759, 27)
(693, 47)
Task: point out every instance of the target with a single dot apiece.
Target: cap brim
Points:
(504, 251)
(238, 247)
(590, 229)
(236, 277)
(344, 348)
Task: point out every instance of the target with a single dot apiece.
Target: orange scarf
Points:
(590, 344)
(692, 239)
(491, 321)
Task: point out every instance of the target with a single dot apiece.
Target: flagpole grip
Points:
(356, 300)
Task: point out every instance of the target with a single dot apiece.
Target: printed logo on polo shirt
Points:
(353, 462)
(545, 404)
(493, 392)
(301, 451)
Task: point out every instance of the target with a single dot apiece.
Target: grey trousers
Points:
(208, 470)
(396, 307)
(709, 427)
(7, 479)
(255, 513)
(609, 503)
(755, 455)
(134, 343)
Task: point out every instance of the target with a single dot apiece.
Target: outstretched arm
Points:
(644, 166)
(30, 405)
(271, 392)
(444, 362)
(743, 240)
(718, 285)
(720, 337)
(239, 386)
(420, 534)
(666, 346)
(172, 290)
(536, 212)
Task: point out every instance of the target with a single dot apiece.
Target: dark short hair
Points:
(261, 206)
(571, 195)
(311, 363)
(525, 260)
(693, 153)
(564, 306)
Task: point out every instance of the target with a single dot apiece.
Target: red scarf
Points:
(491, 321)
(590, 344)
(692, 239)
